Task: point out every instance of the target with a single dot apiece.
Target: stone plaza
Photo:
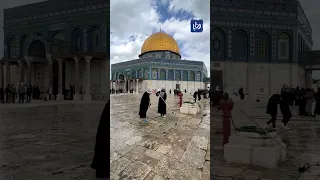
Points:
(48, 140)
(301, 141)
(175, 147)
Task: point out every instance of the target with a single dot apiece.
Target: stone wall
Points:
(260, 78)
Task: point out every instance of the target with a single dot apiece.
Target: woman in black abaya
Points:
(162, 107)
(101, 160)
(144, 104)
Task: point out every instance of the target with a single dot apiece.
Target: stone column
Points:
(124, 86)
(60, 95)
(49, 75)
(137, 86)
(77, 79)
(29, 65)
(21, 64)
(87, 96)
(5, 74)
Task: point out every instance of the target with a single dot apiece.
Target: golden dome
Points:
(160, 41)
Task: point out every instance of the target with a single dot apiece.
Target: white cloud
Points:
(139, 18)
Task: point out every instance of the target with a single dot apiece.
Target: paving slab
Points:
(48, 140)
(302, 141)
(158, 149)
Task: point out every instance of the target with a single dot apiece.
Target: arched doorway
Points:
(37, 50)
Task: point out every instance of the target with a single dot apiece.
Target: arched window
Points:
(154, 74)
(163, 74)
(77, 40)
(263, 47)
(178, 75)
(192, 76)
(198, 78)
(218, 43)
(284, 47)
(240, 43)
(146, 74)
(121, 77)
(128, 75)
(170, 75)
(96, 39)
(23, 42)
(12, 48)
(140, 74)
(185, 75)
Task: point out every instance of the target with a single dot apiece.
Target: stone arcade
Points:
(57, 47)
(160, 65)
(260, 47)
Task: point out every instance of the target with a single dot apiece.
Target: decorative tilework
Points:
(229, 43)
(85, 40)
(274, 44)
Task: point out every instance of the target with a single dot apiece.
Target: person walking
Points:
(29, 93)
(22, 91)
(284, 107)
(272, 109)
(317, 105)
(101, 159)
(310, 99)
(144, 104)
(7, 93)
(195, 96)
(162, 107)
(14, 93)
(241, 93)
(199, 95)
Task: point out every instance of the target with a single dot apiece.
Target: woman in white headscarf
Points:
(162, 108)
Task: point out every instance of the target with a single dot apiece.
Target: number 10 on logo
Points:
(196, 25)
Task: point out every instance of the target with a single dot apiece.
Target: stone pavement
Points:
(175, 147)
(43, 141)
(303, 142)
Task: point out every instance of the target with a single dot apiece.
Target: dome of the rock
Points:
(160, 41)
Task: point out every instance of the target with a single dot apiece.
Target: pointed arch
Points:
(240, 45)
(170, 75)
(284, 46)
(95, 39)
(163, 74)
(77, 40)
(263, 48)
(192, 76)
(218, 43)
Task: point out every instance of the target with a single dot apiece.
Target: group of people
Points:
(307, 99)
(10, 93)
(146, 103)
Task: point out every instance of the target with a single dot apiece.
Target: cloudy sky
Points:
(132, 21)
